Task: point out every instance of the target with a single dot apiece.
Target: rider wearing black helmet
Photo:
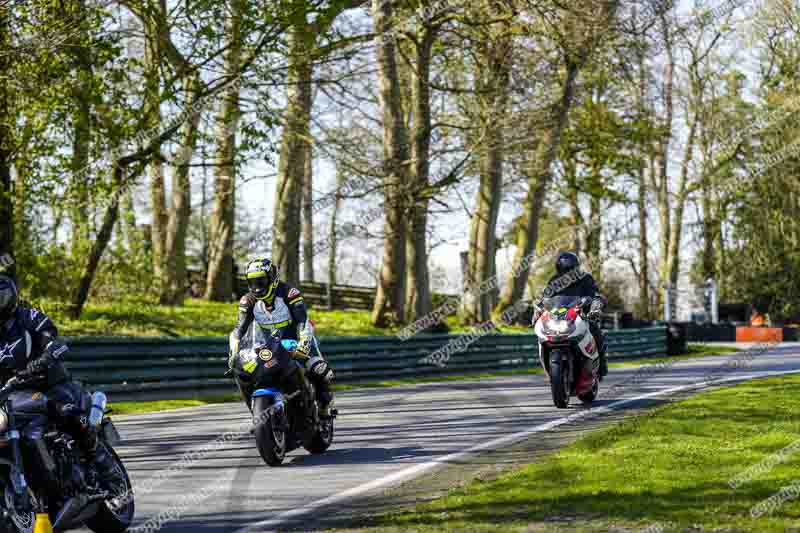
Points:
(276, 306)
(29, 348)
(570, 280)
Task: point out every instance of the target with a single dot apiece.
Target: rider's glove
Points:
(303, 348)
(595, 311)
(40, 365)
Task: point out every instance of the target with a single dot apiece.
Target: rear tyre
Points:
(271, 442)
(323, 437)
(588, 397)
(559, 381)
(115, 515)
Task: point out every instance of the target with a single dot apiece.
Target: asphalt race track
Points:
(384, 437)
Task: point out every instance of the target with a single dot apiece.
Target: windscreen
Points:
(253, 338)
(557, 303)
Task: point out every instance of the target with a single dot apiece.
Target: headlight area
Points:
(558, 327)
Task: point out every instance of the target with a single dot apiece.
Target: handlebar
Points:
(22, 379)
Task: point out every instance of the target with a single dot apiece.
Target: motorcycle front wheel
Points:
(270, 441)
(15, 520)
(116, 514)
(323, 437)
(559, 380)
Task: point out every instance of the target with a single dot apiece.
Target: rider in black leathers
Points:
(569, 280)
(30, 349)
(277, 307)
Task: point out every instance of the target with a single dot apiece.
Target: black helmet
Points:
(567, 261)
(262, 278)
(9, 297)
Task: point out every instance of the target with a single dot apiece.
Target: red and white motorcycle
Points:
(567, 349)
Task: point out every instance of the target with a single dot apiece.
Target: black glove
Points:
(40, 365)
(595, 311)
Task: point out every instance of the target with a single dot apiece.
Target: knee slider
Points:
(319, 368)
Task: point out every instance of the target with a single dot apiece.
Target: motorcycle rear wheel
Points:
(559, 381)
(271, 442)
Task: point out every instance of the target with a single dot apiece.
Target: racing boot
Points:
(327, 402)
(322, 374)
(603, 359)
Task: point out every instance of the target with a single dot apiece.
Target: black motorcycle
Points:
(283, 401)
(75, 496)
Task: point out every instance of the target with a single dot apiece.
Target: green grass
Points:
(141, 407)
(142, 317)
(671, 467)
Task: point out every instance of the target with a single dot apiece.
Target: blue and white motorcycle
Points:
(273, 382)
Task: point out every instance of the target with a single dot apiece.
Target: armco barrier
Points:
(151, 367)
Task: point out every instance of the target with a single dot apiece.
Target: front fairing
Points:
(262, 360)
(551, 327)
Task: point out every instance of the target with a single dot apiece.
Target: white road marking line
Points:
(417, 470)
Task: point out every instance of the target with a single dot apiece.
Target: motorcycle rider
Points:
(29, 349)
(276, 306)
(569, 280)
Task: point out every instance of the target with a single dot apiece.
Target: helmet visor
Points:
(259, 285)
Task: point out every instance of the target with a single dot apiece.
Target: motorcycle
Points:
(282, 399)
(567, 349)
(72, 495)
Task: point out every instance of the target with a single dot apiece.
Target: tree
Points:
(219, 280)
(576, 37)
(390, 298)
(6, 142)
(493, 95)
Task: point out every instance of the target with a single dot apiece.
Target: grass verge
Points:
(667, 471)
(142, 317)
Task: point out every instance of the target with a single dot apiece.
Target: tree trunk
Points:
(641, 204)
(680, 204)
(418, 290)
(477, 303)
(538, 181)
(6, 143)
(81, 136)
(219, 280)
(308, 217)
(20, 221)
(100, 243)
(576, 218)
(389, 299)
(294, 151)
(332, 239)
(662, 186)
(158, 200)
(174, 289)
